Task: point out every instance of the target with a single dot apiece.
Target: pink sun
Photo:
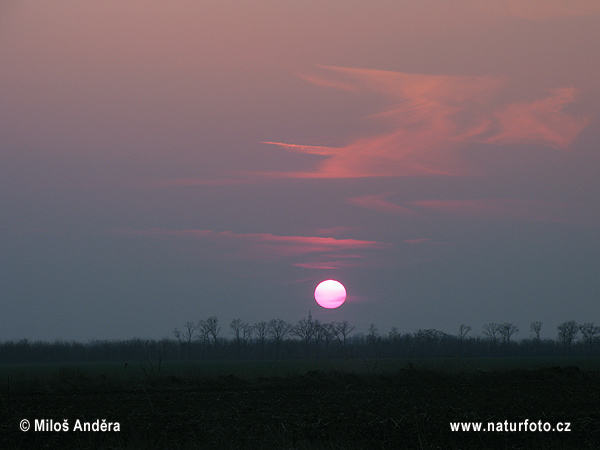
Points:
(330, 294)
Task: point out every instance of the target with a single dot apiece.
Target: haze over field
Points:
(162, 162)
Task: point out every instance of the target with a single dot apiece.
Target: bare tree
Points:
(491, 331)
(305, 330)
(211, 329)
(237, 326)
(186, 336)
(373, 335)
(567, 333)
(236, 330)
(188, 333)
(327, 330)
(278, 329)
(319, 334)
(342, 330)
(247, 332)
(536, 328)
(590, 334)
(178, 335)
(463, 330)
(261, 328)
(506, 330)
(428, 340)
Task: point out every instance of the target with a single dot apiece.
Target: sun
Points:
(330, 294)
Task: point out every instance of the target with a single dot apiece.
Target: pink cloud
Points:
(429, 118)
(541, 121)
(509, 209)
(328, 251)
(310, 149)
(299, 245)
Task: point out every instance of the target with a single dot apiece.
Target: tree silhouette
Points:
(247, 332)
(178, 335)
(327, 331)
(204, 341)
(237, 327)
(186, 336)
(211, 329)
(261, 328)
(567, 333)
(305, 330)
(342, 330)
(590, 333)
(491, 331)
(463, 330)
(428, 341)
(278, 329)
(506, 330)
(536, 328)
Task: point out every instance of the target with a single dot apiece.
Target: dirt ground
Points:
(409, 410)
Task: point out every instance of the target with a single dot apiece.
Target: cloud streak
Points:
(430, 118)
(313, 252)
(540, 122)
(506, 209)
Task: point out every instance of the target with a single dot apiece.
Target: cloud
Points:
(539, 122)
(419, 121)
(429, 119)
(302, 251)
(506, 209)
(310, 149)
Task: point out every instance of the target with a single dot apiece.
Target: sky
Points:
(163, 162)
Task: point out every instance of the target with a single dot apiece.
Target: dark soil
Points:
(409, 410)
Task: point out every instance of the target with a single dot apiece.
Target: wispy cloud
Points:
(510, 209)
(301, 251)
(429, 119)
(506, 209)
(541, 122)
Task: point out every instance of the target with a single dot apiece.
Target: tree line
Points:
(309, 338)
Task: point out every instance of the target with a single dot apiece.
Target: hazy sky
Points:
(162, 162)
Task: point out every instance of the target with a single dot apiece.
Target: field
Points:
(333, 404)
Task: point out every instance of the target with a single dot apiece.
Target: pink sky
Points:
(222, 158)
